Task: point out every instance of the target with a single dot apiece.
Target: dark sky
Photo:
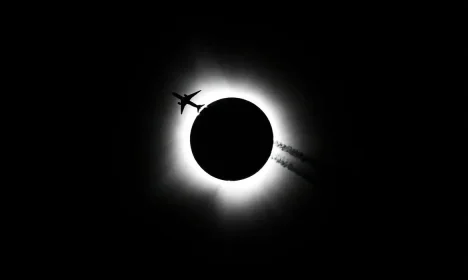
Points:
(337, 225)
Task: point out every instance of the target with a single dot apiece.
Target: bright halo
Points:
(215, 86)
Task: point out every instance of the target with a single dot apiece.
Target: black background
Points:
(348, 223)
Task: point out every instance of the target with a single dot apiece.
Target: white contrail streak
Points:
(308, 176)
(294, 152)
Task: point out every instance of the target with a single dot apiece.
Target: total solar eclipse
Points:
(231, 139)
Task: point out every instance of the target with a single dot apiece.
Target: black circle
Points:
(231, 139)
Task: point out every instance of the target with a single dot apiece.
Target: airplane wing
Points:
(192, 95)
(182, 106)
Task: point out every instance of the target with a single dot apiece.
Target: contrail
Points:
(290, 166)
(295, 153)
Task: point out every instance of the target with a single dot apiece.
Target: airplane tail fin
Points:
(199, 106)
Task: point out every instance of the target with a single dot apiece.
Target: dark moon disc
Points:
(231, 139)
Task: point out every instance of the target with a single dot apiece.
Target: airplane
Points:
(186, 100)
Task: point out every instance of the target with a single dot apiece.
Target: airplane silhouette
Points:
(186, 100)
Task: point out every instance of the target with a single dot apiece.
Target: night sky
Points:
(322, 83)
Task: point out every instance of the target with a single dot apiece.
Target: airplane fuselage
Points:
(184, 100)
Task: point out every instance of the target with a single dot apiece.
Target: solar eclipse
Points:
(225, 131)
